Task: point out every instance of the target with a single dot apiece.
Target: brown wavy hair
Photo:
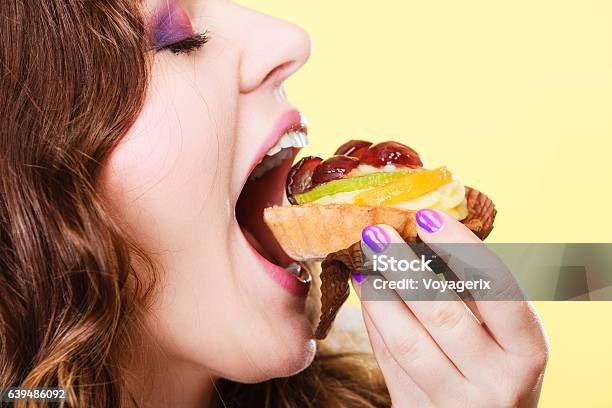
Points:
(73, 79)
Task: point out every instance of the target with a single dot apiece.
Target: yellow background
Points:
(514, 96)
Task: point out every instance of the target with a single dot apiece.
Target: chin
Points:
(290, 347)
(299, 360)
(293, 359)
(287, 359)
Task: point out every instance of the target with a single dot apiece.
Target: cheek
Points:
(166, 172)
(156, 170)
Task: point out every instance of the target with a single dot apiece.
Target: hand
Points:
(437, 353)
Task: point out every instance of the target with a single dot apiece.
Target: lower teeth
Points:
(299, 272)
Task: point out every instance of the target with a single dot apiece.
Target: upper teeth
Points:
(290, 139)
(269, 163)
(280, 152)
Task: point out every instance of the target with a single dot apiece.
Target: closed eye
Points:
(187, 45)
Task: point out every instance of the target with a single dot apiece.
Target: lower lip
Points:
(281, 276)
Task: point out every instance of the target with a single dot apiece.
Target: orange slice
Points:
(411, 186)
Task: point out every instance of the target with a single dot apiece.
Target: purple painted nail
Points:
(359, 277)
(376, 238)
(430, 220)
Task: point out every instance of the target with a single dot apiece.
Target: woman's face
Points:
(175, 180)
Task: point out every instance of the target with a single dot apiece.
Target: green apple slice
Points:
(348, 184)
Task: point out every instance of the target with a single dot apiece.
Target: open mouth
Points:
(264, 188)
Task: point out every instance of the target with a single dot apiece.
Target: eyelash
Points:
(188, 44)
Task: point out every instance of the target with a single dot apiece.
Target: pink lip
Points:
(287, 121)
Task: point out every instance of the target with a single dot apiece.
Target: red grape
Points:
(396, 153)
(353, 148)
(298, 180)
(336, 167)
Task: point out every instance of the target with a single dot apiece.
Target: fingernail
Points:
(375, 238)
(430, 220)
(359, 278)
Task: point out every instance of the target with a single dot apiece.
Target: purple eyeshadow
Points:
(170, 25)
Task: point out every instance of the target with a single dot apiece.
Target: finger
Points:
(512, 321)
(413, 349)
(403, 390)
(449, 322)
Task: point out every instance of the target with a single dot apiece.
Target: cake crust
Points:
(310, 232)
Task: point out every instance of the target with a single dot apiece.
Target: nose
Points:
(273, 49)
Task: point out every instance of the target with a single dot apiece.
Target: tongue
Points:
(258, 194)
